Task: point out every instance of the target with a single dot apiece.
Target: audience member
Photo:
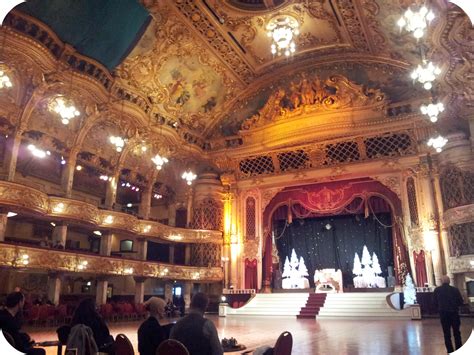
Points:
(197, 333)
(86, 314)
(449, 299)
(150, 333)
(45, 242)
(9, 323)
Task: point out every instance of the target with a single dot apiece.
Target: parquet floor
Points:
(328, 337)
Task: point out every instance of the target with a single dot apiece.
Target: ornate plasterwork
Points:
(306, 97)
(458, 215)
(251, 249)
(461, 264)
(268, 195)
(53, 260)
(390, 181)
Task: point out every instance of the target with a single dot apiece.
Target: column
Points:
(60, 234)
(67, 175)
(54, 287)
(171, 254)
(139, 289)
(111, 192)
(145, 202)
(187, 254)
(101, 290)
(189, 207)
(225, 264)
(11, 155)
(172, 214)
(188, 285)
(106, 244)
(168, 291)
(3, 226)
(142, 248)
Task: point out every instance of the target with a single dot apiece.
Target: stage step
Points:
(360, 306)
(272, 304)
(314, 303)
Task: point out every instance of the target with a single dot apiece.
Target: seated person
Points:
(9, 322)
(86, 314)
(198, 334)
(150, 333)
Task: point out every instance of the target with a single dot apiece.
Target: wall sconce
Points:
(164, 272)
(109, 219)
(128, 271)
(58, 208)
(146, 229)
(82, 265)
(176, 237)
(21, 260)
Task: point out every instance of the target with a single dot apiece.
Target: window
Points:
(126, 245)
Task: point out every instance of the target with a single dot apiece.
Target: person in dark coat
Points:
(9, 322)
(151, 334)
(449, 299)
(86, 314)
(198, 334)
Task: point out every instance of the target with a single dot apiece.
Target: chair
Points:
(172, 347)
(123, 346)
(284, 344)
(9, 338)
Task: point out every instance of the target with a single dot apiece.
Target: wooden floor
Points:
(328, 337)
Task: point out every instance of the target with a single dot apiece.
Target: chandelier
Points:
(416, 21)
(39, 153)
(159, 161)
(5, 81)
(426, 74)
(432, 110)
(282, 30)
(189, 176)
(437, 143)
(118, 142)
(64, 108)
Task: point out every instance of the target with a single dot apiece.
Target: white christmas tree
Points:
(357, 270)
(294, 259)
(375, 265)
(366, 260)
(286, 268)
(302, 268)
(409, 292)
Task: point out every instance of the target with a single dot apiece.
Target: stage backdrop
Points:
(323, 248)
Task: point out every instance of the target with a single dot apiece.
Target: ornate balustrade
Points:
(23, 198)
(60, 260)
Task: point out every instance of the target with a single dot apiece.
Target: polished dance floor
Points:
(328, 337)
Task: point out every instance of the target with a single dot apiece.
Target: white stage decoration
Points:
(367, 271)
(328, 281)
(409, 292)
(294, 273)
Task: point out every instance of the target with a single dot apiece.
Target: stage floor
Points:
(318, 337)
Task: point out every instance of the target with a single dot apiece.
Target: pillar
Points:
(111, 192)
(101, 291)
(3, 226)
(172, 214)
(187, 254)
(60, 234)
(139, 289)
(106, 244)
(145, 202)
(142, 248)
(188, 285)
(67, 175)
(11, 155)
(189, 207)
(54, 287)
(168, 291)
(171, 256)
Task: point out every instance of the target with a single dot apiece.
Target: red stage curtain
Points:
(420, 268)
(251, 273)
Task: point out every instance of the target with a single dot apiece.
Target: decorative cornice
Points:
(459, 215)
(461, 264)
(63, 261)
(23, 198)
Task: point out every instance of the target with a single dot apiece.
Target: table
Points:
(45, 344)
(239, 347)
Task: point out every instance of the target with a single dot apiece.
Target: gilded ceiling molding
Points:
(23, 198)
(64, 261)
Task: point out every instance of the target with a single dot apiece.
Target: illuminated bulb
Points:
(39, 153)
(53, 224)
(119, 143)
(63, 161)
(79, 168)
(11, 214)
(437, 143)
(65, 109)
(416, 21)
(146, 229)
(426, 74)
(5, 81)
(129, 205)
(99, 233)
(109, 219)
(159, 161)
(189, 176)
(432, 110)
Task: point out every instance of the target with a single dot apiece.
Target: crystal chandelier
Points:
(64, 108)
(119, 143)
(416, 21)
(437, 143)
(5, 81)
(39, 153)
(159, 161)
(432, 110)
(189, 176)
(282, 30)
(426, 74)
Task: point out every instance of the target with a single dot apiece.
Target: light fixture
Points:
(39, 153)
(416, 21)
(157, 196)
(437, 143)
(118, 142)
(58, 208)
(109, 219)
(426, 74)
(128, 270)
(53, 224)
(129, 205)
(432, 110)
(223, 298)
(11, 214)
(189, 176)
(282, 29)
(24, 260)
(82, 265)
(64, 108)
(106, 178)
(146, 229)
(5, 81)
(79, 167)
(99, 233)
(159, 161)
(63, 161)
